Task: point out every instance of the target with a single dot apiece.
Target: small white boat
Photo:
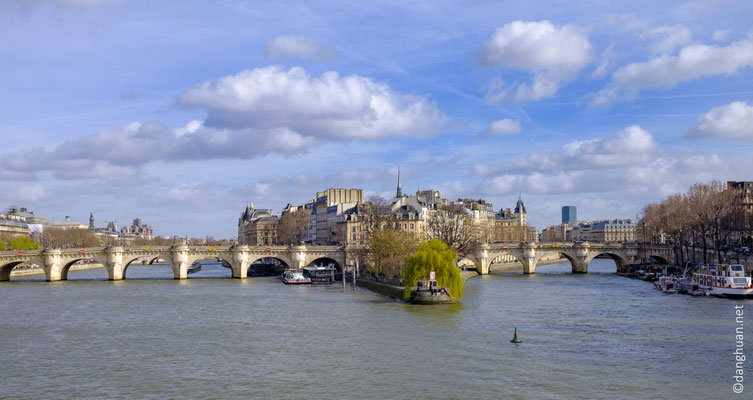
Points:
(295, 277)
(666, 284)
(725, 281)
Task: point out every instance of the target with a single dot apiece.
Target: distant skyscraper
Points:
(569, 215)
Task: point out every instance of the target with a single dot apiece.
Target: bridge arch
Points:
(467, 263)
(279, 257)
(223, 257)
(571, 258)
(509, 256)
(71, 262)
(619, 260)
(7, 268)
(150, 261)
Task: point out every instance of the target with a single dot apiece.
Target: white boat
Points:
(667, 285)
(295, 277)
(725, 281)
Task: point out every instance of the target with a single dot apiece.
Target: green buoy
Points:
(515, 338)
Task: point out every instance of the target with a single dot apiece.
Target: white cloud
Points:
(552, 54)
(733, 121)
(580, 166)
(630, 145)
(667, 38)
(250, 114)
(629, 168)
(329, 106)
(606, 62)
(667, 71)
(504, 126)
(286, 47)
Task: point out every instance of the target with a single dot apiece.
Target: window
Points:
(411, 226)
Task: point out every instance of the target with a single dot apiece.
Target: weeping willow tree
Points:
(433, 255)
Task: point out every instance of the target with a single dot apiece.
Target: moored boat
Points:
(667, 285)
(195, 267)
(321, 274)
(725, 281)
(295, 277)
(687, 285)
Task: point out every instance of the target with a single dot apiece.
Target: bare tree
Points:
(291, 229)
(452, 225)
(64, 238)
(390, 249)
(378, 213)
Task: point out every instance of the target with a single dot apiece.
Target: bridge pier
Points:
(114, 263)
(580, 264)
(529, 265)
(580, 267)
(240, 262)
(298, 255)
(179, 261)
(481, 259)
(52, 265)
(529, 258)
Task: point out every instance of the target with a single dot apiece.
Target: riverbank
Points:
(39, 271)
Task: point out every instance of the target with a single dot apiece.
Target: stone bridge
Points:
(579, 254)
(56, 262)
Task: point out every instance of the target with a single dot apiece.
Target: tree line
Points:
(708, 215)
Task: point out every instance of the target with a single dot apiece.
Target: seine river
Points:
(584, 336)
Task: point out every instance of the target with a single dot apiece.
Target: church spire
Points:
(399, 189)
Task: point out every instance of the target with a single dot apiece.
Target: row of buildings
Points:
(626, 230)
(21, 221)
(343, 217)
(606, 230)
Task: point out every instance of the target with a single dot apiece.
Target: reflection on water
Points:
(596, 335)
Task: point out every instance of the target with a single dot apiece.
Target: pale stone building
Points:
(137, 230)
(616, 230)
(252, 230)
(556, 233)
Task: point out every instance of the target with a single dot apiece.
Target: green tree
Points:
(3, 245)
(433, 255)
(24, 243)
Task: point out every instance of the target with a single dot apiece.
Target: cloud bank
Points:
(253, 113)
(552, 54)
(733, 121)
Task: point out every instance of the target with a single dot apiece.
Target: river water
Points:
(584, 336)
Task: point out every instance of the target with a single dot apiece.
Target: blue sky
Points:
(181, 112)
